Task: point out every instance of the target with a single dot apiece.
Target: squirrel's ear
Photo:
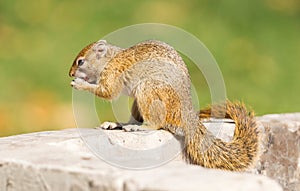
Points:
(100, 48)
(102, 42)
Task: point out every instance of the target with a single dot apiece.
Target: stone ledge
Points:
(60, 160)
(280, 157)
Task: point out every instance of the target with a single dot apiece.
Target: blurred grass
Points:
(256, 44)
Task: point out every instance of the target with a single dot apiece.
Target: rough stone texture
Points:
(60, 160)
(280, 157)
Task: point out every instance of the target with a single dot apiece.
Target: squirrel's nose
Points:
(71, 73)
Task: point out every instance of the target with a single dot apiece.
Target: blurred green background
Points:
(256, 44)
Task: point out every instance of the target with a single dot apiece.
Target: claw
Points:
(72, 83)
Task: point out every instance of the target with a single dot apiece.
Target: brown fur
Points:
(239, 154)
(80, 54)
(155, 75)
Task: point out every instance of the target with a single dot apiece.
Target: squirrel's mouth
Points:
(86, 77)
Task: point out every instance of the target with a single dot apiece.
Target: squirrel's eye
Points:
(80, 62)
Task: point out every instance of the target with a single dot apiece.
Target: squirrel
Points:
(155, 75)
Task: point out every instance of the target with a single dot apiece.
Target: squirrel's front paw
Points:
(110, 125)
(79, 83)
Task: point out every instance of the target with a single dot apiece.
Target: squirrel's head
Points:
(91, 60)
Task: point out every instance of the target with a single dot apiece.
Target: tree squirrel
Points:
(155, 75)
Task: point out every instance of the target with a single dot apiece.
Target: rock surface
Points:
(62, 160)
(280, 157)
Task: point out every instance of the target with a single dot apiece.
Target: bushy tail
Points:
(204, 149)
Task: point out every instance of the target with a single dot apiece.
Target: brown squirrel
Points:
(155, 75)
